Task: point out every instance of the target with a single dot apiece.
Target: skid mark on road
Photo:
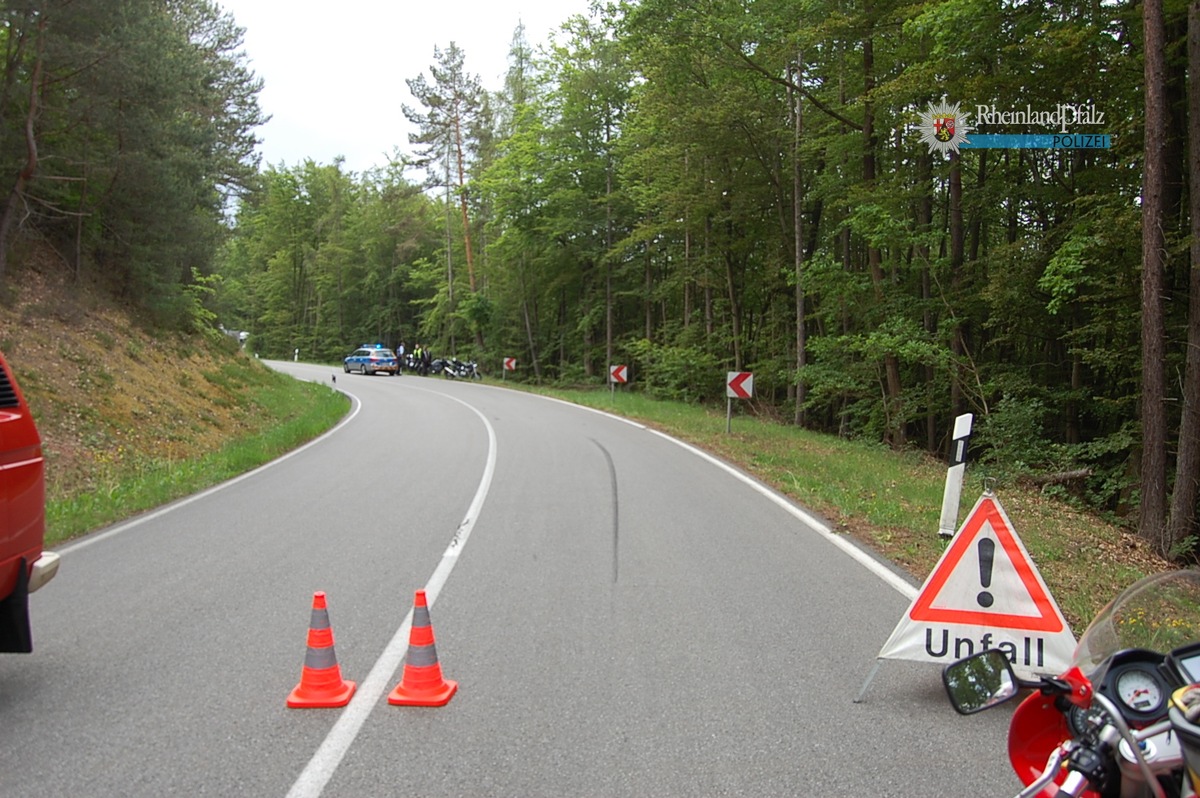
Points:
(616, 515)
(883, 572)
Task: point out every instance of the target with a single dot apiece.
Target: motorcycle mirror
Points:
(980, 681)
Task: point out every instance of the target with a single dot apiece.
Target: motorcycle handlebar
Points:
(1073, 785)
(1076, 782)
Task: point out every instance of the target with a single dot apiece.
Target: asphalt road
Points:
(624, 617)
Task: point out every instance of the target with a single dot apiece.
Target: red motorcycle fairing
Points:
(1036, 730)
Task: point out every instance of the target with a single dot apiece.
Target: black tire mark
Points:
(616, 526)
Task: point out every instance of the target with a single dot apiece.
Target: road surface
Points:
(624, 617)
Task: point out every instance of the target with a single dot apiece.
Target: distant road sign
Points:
(510, 364)
(739, 384)
(619, 374)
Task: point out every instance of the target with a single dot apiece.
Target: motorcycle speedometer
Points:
(1140, 691)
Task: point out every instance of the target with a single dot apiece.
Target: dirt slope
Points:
(103, 389)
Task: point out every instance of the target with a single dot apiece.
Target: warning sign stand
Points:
(984, 592)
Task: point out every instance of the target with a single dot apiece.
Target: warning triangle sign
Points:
(988, 571)
(984, 592)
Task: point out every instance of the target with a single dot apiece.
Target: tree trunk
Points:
(1151, 522)
(893, 410)
(710, 320)
(648, 287)
(462, 200)
(449, 251)
(957, 256)
(1187, 468)
(587, 301)
(735, 311)
(609, 321)
(533, 350)
(798, 232)
(15, 196)
(924, 224)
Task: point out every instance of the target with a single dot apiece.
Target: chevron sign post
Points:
(617, 374)
(738, 385)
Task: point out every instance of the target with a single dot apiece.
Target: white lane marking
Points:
(141, 519)
(325, 761)
(866, 560)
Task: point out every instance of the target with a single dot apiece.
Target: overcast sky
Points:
(334, 72)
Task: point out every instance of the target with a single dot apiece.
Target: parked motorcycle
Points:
(1121, 722)
(414, 364)
(452, 368)
(448, 367)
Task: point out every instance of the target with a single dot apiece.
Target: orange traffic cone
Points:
(422, 684)
(321, 682)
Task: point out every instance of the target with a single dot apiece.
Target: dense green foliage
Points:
(688, 188)
(125, 128)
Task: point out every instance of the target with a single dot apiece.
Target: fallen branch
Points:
(1042, 480)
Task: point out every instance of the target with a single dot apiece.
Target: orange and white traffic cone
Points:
(422, 684)
(321, 683)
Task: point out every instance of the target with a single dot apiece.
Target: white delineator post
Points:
(954, 476)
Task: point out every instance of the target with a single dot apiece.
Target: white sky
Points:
(334, 72)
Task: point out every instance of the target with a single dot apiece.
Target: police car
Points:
(371, 360)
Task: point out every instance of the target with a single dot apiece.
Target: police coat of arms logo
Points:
(943, 127)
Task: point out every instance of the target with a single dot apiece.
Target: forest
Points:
(688, 187)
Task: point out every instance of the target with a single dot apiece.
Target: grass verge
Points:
(283, 414)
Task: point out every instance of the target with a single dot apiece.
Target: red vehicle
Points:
(24, 566)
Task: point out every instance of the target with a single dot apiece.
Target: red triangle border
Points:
(1049, 619)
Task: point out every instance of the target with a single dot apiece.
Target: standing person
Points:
(400, 357)
(426, 361)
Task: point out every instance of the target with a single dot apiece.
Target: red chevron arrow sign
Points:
(510, 363)
(739, 384)
(619, 374)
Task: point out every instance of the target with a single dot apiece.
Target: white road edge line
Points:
(321, 767)
(866, 560)
(141, 519)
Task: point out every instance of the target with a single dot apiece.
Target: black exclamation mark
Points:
(987, 554)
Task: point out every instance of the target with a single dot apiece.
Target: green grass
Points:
(295, 412)
(844, 478)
